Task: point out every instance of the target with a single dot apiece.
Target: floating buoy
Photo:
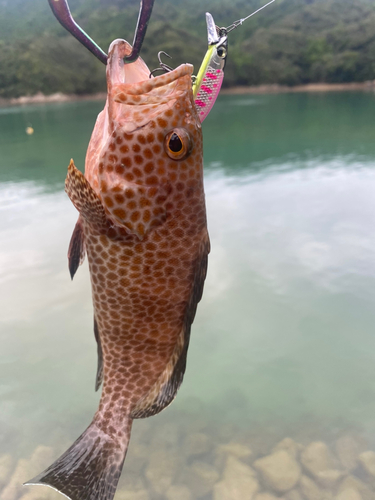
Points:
(29, 130)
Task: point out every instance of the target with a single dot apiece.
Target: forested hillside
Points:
(291, 42)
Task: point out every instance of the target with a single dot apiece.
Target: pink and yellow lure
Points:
(207, 85)
(210, 76)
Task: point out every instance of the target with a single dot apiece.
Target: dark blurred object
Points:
(61, 10)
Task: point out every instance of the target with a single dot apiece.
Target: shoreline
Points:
(308, 87)
(40, 98)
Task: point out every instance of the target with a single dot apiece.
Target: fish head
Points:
(146, 141)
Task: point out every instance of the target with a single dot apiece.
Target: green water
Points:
(284, 336)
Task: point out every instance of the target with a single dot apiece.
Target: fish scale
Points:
(143, 226)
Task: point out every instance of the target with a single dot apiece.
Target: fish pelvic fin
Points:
(77, 250)
(84, 198)
(90, 468)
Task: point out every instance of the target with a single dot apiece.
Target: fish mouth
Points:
(134, 99)
(132, 73)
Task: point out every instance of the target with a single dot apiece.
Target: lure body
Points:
(210, 77)
(211, 73)
(143, 226)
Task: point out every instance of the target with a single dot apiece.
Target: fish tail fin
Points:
(91, 467)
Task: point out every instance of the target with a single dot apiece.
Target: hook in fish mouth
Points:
(163, 67)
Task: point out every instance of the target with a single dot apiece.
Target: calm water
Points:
(284, 336)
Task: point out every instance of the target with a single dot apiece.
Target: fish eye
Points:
(221, 52)
(177, 144)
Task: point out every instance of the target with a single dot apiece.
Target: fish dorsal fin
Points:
(84, 198)
(77, 250)
(164, 391)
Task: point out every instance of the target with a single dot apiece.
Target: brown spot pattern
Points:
(141, 298)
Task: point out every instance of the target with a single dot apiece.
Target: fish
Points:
(142, 224)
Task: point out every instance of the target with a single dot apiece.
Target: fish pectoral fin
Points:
(77, 250)
(148, 206)
(84, 198)
(99, 372)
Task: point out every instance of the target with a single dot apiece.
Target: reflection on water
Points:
(283, 342)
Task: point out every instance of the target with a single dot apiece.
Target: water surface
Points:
(284, 337)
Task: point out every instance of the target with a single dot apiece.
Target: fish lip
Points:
(161, 84)
(175, 74)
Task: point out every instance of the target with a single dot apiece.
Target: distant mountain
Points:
(291, 42)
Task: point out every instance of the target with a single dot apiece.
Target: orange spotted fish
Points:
(142, 223)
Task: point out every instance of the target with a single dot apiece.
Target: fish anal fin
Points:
(164, 391)
(84, 198)
(99, 372)
(90, 468)
(77, 250)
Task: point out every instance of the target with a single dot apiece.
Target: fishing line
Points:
(240, 21)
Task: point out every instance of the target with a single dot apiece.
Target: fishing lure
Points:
(210, 76)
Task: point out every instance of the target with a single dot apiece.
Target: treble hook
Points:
(163, 67)
(61, 10)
